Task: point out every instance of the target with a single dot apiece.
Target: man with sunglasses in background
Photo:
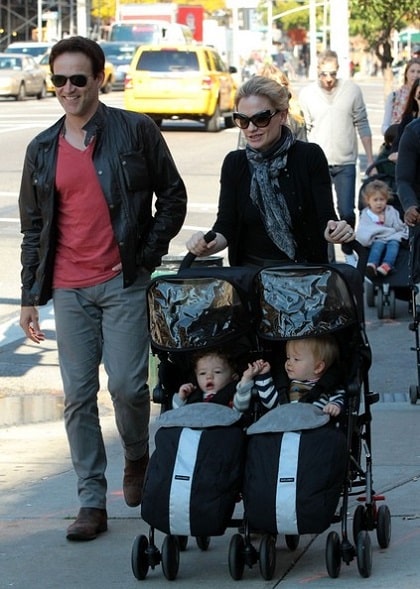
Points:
(334, 110)
(90, 242)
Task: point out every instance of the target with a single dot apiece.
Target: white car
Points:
(21, 76)
(33, 48)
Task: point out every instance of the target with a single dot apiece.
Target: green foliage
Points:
(294, 20)
(375, 20)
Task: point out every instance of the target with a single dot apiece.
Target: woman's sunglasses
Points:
(79, 80)
(260, 119)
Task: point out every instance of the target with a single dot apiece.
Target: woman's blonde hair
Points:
(261, 86)
(270, 70)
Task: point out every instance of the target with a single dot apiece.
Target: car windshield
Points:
(119, 54)
(34, 50)
(10, 63)
(141, 33)
(168, 61)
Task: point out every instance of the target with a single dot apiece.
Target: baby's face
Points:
(300, 362)
(377, 203)
(213, 373)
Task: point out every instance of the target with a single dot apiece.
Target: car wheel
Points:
(22, 92)
(107, 87)
(229, 124)
(213, 123)
(43, 92)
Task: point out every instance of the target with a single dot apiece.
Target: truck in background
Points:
(156, 23)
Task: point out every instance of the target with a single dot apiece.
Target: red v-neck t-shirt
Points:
(86, 247)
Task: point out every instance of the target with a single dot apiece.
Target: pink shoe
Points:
(384, 269)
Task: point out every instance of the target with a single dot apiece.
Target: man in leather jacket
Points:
(90, 242)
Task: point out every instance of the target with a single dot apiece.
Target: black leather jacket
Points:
(133, 163)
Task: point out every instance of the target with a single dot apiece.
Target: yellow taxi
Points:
(181, 82)
(105, 88)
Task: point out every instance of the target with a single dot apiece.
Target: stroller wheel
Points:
(183, 542)
(370, 293)
(236, 557)
(380, 303)
(267, 557)
(364, 554)
(391, 302)
(333, 555)
(383, 526)
(292, 541)
(170, 557)
(203, 542)
(414, 393)
(139, 560)
(359, 522)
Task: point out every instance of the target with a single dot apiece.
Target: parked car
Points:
(33, 48)
(120, 54)
(21, 76)
(181, 82)
(106, 87)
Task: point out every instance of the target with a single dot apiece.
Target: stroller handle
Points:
(190, 257)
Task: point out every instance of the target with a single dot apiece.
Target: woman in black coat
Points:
(275, 201)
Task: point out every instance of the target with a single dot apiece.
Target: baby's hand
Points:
(185, 390)
(262, 366)
(332, 409)
(257, 367)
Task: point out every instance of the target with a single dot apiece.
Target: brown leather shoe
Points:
(134, 473)
(89, 523)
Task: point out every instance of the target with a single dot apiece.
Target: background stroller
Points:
(197, 309)
(383, 292)
(297, 301)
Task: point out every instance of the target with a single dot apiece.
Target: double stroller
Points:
(288, 471)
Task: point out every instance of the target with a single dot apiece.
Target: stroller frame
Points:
(367, 516)
(358, 481)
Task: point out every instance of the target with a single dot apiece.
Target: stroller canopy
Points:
(195, 312)
(303, 301)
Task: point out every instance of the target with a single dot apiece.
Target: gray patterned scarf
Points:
(266, 194)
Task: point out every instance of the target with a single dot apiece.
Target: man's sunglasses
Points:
(79, 80)
(260, 119)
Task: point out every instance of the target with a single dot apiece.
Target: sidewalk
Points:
(38, 491)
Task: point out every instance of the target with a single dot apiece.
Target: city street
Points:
(37, 483)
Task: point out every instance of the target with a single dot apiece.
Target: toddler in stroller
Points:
(216, 377)
(383, 234)
(311, 367)
(380, 228)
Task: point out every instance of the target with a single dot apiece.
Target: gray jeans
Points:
(103, 323)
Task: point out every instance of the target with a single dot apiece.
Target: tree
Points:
(375, 22)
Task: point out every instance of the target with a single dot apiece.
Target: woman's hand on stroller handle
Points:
(205, 245)
(200, 245)
(339, 232)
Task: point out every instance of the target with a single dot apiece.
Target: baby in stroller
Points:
(380, 228)
(216, 378)
(312, 369)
